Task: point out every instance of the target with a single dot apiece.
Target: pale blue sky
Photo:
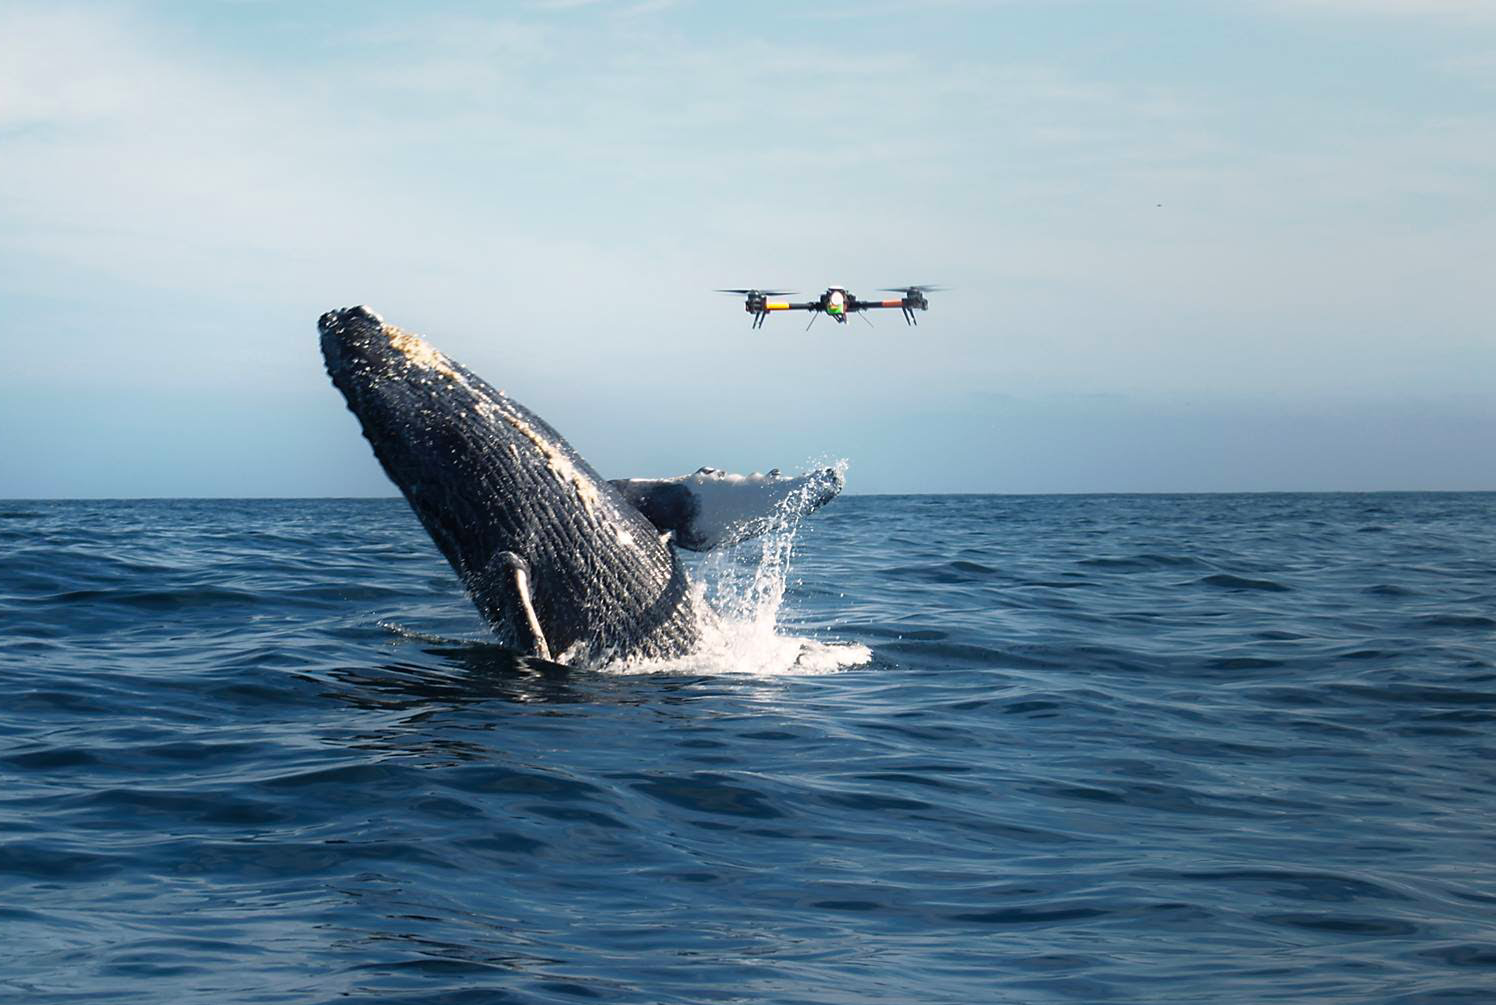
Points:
(551, 190)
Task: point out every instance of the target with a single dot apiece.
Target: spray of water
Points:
(740, 590)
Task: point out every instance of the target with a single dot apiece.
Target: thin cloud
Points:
(1411, 8)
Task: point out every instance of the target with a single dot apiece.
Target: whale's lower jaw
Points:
(552, 556)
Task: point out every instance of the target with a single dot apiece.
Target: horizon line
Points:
(859, 495)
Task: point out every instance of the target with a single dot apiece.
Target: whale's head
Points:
(377, 366)
(418, 412)
(493, 483)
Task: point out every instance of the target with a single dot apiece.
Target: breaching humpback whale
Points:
(562, 564)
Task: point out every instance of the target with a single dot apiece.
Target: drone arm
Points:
(906, 304)
(761, 309)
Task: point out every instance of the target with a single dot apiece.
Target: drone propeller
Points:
(760, 293)
(917, 288)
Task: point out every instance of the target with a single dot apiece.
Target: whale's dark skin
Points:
(552, 555)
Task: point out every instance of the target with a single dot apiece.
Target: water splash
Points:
(740, 590)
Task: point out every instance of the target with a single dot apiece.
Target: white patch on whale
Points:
(420, 353)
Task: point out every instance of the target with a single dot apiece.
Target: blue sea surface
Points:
(1105, 749)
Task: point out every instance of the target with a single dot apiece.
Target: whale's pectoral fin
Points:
(507, 578)
(666, 503)
(712, 508)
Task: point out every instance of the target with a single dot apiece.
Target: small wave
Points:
(961, 565)
(1227, 581)
(1457, 621)
(151, 600)
(1342, 924)
(1467, 954)
(1423, 695)
(1047, 913)
(1311, 885)
(966, 654)
(1242, 663)
(942, 573)
(1142, 563)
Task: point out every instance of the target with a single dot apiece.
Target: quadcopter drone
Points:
(836, 302)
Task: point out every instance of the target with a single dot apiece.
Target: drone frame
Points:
(837, 301)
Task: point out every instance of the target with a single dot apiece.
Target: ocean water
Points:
(949, 749)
